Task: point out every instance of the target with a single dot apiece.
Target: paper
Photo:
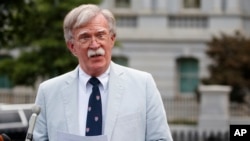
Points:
(61, 136)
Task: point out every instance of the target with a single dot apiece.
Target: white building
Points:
(168, 37)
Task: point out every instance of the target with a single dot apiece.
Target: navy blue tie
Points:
(94, 114)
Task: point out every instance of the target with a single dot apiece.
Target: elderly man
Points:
(99, 97)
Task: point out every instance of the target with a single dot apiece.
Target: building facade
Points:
(168, 37)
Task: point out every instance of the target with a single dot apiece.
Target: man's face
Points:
(92, 44)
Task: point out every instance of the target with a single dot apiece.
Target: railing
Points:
(9, 97)
(200, 136)
(185, 21)
(186, 110)
(179, 110)
(240, 110)
(174, 21)
(182, 110)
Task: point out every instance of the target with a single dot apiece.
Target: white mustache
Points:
(99, 52)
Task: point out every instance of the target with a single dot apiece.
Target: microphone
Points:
(4, 137)
(35, 112)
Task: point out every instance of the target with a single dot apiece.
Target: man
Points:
(129, 104)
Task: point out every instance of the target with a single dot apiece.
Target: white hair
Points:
(81, 15)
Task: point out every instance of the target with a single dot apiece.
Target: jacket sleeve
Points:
(157, 128)
(40, 130)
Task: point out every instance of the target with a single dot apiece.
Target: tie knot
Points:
(94, 81)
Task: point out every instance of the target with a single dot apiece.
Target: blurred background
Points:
(198, 52)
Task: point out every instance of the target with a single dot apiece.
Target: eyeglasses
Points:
(86, 38)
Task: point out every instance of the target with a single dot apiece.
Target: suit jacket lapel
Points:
(116, 90)
(70, 97)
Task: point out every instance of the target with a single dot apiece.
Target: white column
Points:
(214, 108)
(217, 6)
(233, 6)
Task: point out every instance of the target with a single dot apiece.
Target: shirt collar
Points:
(103, 78)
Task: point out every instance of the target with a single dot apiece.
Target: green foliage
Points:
(231, 64)
(34, 27)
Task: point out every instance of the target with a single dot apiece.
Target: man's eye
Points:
(101, 35)
(84, 38)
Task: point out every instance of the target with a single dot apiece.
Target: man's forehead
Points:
(89, 31)
(93, 30)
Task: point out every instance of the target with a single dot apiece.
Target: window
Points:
(122, 3)
(4, 80)
(126, 21)
(191, 3)
(188, 74)
(120, 60)
(154, 4)
(197, 22)
(223, 5)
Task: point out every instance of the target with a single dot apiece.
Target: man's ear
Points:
(72, 47)
(113, 37)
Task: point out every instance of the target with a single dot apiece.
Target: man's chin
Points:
(97, 65)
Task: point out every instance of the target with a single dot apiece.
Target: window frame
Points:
(195, 4)
(187, 77)
(5, 82)
(122, 3)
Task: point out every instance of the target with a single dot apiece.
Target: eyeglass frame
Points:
(85, 37)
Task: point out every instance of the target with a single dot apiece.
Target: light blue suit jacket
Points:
(135, 111)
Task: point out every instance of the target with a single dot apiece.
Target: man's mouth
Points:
(96, 55)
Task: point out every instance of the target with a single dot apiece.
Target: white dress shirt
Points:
(84, 92)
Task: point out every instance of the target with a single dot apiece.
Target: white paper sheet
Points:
(61, 136)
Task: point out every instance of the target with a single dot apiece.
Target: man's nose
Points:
(94, 43)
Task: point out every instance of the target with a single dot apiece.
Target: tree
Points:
(231, 64)
(34, 28)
